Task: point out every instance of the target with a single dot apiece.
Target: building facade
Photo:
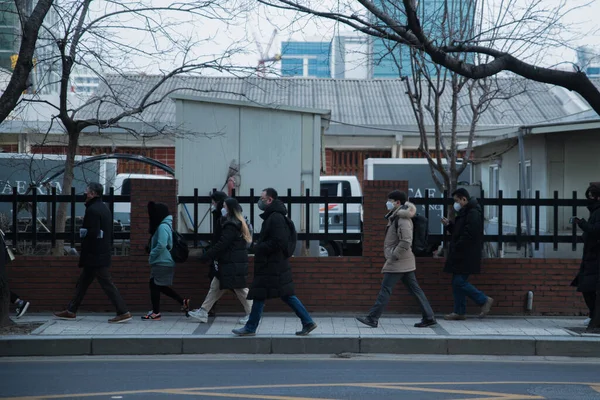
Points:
(306, 59)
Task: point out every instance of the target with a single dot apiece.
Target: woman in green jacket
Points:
(162, 266)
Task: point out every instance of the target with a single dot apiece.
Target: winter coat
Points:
(397, 246)
(272, 271)
(231, 255)
(216, 236)
(466, 243)
(161, 243)
(96, 244)
(587, 279)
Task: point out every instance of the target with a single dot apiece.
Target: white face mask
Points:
(389, 205)
(457, 206)
(212, 207)
(223, 212)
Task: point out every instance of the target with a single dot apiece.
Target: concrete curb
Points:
(23, 346)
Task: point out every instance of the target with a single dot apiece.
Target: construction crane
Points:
(264, 55)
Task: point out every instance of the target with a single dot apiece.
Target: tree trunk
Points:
(62, 210)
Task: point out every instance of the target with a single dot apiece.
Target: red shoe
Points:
(151, 316)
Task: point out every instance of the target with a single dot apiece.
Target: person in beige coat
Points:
(400, 262)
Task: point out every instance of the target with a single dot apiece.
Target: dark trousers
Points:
(156, 290)
(104, 279)
(410, 281)
(590, 302)
(13, 297)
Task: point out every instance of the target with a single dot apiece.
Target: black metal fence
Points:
(293, 204)
(38, 226)
(519, 237)
(35, 227)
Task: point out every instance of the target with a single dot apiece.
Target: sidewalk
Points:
(90, 334)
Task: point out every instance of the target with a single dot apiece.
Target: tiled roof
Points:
(373, 103)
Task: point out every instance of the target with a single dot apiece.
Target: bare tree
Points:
(511, 37)
(30, 24)
(101, 41)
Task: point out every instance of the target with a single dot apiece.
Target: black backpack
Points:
(420, 242)
(292, 238)
(180, 251)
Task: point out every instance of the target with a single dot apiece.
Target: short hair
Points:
(593, 191)
(272, 193)
(218, 197)
(96, 188)
(397, 195)
(462, 192)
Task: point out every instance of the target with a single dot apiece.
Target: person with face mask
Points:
(272, 271)
(587, 280)
(400, 264)
(464, 255)
(231, 255)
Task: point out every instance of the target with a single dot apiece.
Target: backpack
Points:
(292, 238)
(251, 229)
(180, 251)
(420, 242)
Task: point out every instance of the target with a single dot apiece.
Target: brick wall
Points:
(340, 284)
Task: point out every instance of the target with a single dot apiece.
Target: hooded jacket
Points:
(161, 225)
(397, 246)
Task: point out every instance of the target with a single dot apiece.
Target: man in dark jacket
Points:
(588, 278)
(464, 256)
(272, 272)
(95, 259)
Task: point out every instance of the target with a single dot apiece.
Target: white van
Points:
(338, 186)
(122, 185)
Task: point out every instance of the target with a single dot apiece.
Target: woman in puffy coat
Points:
(230, 255)
(162, 266)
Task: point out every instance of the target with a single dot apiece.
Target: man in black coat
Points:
(95, 259)
(272, 272)
(464, 256)
(588, 278)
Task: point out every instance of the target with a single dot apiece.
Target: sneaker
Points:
(66, 315)
(587, 321)
(244, 320)
(120, 318)
(368, 321)
(306, 329)
(151, 316)
(200, 315)
(455, 317)
(485, 309)
(425, 323)
(22, 307)
(243, 332)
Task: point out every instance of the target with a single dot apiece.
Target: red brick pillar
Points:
(143, 191)
(374, 198)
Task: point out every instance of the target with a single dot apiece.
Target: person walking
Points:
(587, 280)
(400, 264)
(464, 256)
(95, 259)
(162, 266)
(230, 254)
(272, 271)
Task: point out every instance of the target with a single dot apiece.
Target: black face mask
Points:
(262, 205)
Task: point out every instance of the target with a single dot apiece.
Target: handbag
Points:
(10, 256)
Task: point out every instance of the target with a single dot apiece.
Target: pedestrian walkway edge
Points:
(23, 346)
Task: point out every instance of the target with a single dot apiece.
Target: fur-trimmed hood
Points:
(407, 211)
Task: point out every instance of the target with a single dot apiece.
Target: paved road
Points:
(295, 378)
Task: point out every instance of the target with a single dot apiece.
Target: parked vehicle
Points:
(338, 186)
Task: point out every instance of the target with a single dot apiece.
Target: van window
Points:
(126, 187)
(346, 190)
(329, 189)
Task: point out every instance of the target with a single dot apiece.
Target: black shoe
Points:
(22, 307)
(368, 321)
(307, 329)
(425, 323)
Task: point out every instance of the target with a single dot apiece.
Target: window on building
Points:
(527, 192)
(493, 189)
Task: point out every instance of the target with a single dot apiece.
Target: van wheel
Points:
(330, 249)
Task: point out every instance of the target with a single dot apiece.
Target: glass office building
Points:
(307, 59)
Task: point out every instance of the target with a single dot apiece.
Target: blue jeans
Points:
(461, 289)
(292, 301)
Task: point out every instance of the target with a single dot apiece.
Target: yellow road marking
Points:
(408, 386)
